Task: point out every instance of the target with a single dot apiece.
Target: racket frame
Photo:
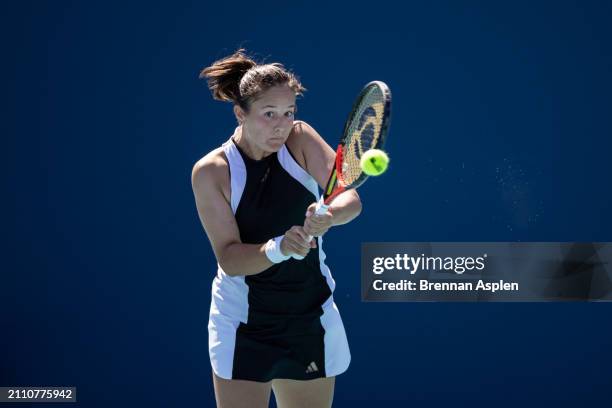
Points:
(335, 183)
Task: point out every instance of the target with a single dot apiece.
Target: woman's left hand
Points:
(317, 224)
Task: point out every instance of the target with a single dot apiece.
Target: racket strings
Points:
(363, 132)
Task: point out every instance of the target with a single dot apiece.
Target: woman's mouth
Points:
(276, 139)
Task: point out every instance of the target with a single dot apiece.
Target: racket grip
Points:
(321, 208)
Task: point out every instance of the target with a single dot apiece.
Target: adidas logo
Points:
(312, 368)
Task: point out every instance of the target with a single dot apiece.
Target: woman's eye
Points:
(289, 114)
(269, 114)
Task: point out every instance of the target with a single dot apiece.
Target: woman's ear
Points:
(239, 114)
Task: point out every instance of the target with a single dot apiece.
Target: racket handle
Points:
(321, 208)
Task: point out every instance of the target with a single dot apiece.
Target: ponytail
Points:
(224, 76)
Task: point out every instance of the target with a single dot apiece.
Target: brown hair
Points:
(239, 79)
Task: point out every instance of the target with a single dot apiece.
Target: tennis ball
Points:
(374, 162)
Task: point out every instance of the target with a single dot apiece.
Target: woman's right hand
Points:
(297, 241)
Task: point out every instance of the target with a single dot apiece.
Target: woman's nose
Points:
(283, 124)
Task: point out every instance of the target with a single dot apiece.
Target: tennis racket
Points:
(366, 128)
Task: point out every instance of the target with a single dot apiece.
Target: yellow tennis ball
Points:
(374, 162)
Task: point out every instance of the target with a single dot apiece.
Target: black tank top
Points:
(271, 203)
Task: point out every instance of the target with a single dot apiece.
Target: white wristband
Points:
(273, 250)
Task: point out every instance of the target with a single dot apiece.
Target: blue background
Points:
(501, 132)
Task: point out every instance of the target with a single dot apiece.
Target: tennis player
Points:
(273, 322)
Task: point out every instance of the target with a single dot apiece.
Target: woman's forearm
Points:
(238, 259)
(345, 207)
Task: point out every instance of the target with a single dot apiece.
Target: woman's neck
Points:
(247, 146)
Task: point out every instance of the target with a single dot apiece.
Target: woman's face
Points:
(270, 119)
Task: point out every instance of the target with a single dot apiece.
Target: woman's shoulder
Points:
(301, 130)
(305, 139)
(311, 151)
(302, 134)
(212, 162)
(211, 170)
